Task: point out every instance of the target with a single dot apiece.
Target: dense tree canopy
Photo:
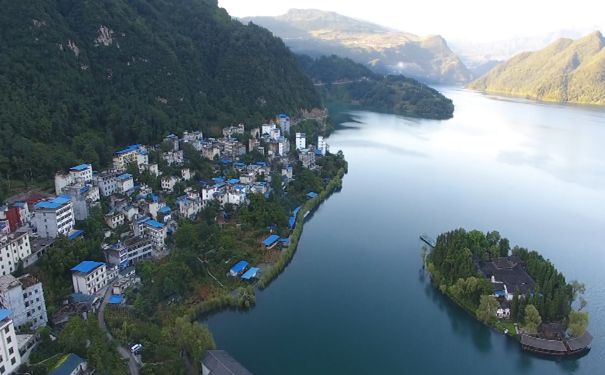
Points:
(78, 77)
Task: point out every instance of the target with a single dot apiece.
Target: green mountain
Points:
(343, 80)
(565, 71)
(317, 33)
(78, 78)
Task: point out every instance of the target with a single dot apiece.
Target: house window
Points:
(10, 350)
(13, 360)
(9, 340)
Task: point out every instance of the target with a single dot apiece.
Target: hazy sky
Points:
(478, 20)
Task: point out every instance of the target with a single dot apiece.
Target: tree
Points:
(514, 307)
(577, 290)
(488, 306)
(578, 322)
(532, 319)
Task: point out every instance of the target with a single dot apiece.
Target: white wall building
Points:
(283, 146)
(107, 182)
(89, 277)
(152, 228)
(80, 173)
(13, 248)
(10, 359)
(169, 182)
(54, 217)
(301, 141)
(25, 298)
(124, 183)
(130, 251)
(322, 146)
(284, 123)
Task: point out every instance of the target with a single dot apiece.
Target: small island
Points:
(516, 291)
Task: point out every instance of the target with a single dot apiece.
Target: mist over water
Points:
(354, 299)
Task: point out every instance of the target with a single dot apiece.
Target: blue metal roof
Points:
(165, 210)
(87, 266)
(75, 234)
(312, 194)
(115, 299)
(54, 203)
(67, 365)
(125, 176)
(271, 240)
(250, 273)
(5, 313)
(233, 181)
(283, 115)
(292, 222)
(295, 212)
(218, 179)
(239, 266)
(128, 149)
(155, 224)
(81, 297)
(80, 168)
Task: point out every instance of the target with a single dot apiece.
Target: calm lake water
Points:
(353, 300)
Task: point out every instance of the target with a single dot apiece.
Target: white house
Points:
(54, 217)
(107, 182)
(301, 141)
(169, 182)
(322, 146)
(83, 197)
(80, 173)
(89, 277)
(283, 146)
(25, 298)
(14, 247)
(186, 174)
(152, 228)
(10, 359)
(307, 158)
(284, 123)
(124, 183)
(503, 313)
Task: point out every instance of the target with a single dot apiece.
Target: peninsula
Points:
(516, 291)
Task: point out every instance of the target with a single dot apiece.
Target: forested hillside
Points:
(342, 79)
(80, 77)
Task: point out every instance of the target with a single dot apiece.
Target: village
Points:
(145, 196)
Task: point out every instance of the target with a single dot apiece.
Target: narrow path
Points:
(133, 365)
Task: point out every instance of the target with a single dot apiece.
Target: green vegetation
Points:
(70, 91)
(340, 79)
(565, 71)
(453, 268)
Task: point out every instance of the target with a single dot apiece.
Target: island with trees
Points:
(514, 290)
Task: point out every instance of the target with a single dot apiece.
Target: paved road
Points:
(133, 365)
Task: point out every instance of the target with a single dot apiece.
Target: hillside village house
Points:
(132, 154)
(89, 277)
(79, 174)
(14, 247)
(54, 217)
(25, 298)
(10, 358)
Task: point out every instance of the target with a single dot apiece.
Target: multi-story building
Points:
(210, 150)
(322, 146)
(152, 228)
(186, 174)
(54, 217)
(132, 250)
(124, 183)
(301, 141)
(79, 174)
(173, 140)
(284, 123)
(283, 146)
(89, 277)
(267, 128)
(189, 205)
(114, 219)
(232, 148)
(233, 130)
(24, 296)
(10, 359)
(132, 154)
(174, 157)
(193, 137)
(307, 158)
(14, 248)
(107, 182)
(169, 182)
(83, 197)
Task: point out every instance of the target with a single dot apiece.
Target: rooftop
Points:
(53, 204)
(79, 168)
(271, 240)
(125, 176)
(509, 271)
(155, 224)
(128, 149)
(219, 362)
(239, 266)
(5, 313)
(87, 266)
(251, 273)
(67, 365)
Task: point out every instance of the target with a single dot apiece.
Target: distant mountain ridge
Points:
(316, 33)
(569, 71)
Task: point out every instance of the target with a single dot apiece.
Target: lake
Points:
(354, 299)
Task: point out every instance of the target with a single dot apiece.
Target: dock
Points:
(427, 240)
